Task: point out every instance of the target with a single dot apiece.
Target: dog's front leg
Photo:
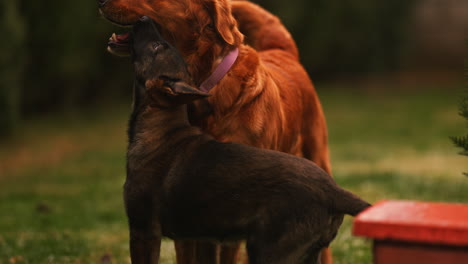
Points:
(144, 246)
(145, 229)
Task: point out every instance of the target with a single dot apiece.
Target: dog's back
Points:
(245, 180)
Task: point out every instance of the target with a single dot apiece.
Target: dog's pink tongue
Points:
(119, 44)
(123, 37)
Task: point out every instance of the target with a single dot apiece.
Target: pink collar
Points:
(221, 70)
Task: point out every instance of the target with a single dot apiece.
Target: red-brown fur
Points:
(266, 100)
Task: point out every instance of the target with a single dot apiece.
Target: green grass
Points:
(61, 177)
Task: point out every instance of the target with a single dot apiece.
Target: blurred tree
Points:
(462, 141)
(346, 36)
(68, 65)
(12, 59)
(61, 62)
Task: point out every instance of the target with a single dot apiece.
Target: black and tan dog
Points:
(183, 184)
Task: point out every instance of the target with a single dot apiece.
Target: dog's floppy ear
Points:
(224, 22)
(179, 91)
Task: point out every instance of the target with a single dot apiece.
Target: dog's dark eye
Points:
(156, 46)
(210, 27)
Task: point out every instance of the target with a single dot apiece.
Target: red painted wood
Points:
(389, 252)
(427, 222)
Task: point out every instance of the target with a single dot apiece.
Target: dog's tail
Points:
(345, 202)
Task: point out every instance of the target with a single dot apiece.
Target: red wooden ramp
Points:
(407, 232)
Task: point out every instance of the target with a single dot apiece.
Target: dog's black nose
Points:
(145, 19)
(102, 2)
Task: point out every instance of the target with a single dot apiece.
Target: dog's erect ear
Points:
(179, 91)
(183, 92)
(224, 22)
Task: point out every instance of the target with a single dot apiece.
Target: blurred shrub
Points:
(53, 57)
(67, 63)
(55, 53)
(13, 29)
(346, 36)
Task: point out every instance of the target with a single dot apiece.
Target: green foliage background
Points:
(13, 59)
(462, 141)
(346, 36)
(54, 58)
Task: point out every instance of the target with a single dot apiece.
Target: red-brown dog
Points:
(266, 99)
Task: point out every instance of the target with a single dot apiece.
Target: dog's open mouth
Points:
(119, 44)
